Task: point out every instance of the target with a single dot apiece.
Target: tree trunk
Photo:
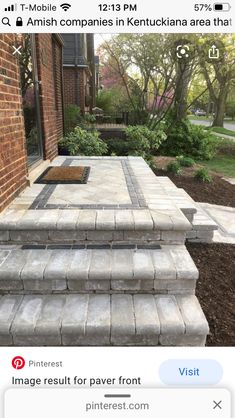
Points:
(220, 108)
(181, 91)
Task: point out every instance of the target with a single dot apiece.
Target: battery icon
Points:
(221, 7)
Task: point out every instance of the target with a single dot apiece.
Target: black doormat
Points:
(64, 175)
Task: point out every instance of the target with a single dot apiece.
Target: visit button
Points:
(190, 372)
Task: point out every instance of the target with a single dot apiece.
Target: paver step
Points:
(42, 320)
(73, 226)
(179, 196)
(156, 269)
(203, 227)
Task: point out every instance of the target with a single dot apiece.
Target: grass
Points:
(222, 164)
(193, 117)
(226, 146)
(215, 129)
(209, 119)
(224, 131)
(224, 161)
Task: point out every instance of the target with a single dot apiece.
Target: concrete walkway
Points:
(230, 180)
(224, 216)
(229, 126)
(224, 136)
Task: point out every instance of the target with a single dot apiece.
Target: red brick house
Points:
(31, 107)
(80, 69)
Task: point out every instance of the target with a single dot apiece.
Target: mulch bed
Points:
(216, 289)
(218, 192)
(216, 262)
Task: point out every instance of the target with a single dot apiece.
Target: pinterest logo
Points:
(18, 362)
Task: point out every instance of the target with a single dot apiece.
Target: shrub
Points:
(73, 118)
(226, 147)
(117, 146)
(87, 120)
(203, 175)
(72, 115)
(82, 142)
(174, 167)
(230, 109)
(143, 141)
(184, 138)
(185, 161)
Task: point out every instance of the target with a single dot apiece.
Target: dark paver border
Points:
(90, 247)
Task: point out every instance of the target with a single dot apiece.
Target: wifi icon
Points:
(65, 6)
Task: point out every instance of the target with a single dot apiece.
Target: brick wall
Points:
(13, 154)
(49, 56)
(75, 80)
(70, 86)
(13, 169)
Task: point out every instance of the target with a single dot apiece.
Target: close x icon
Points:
(217, 405)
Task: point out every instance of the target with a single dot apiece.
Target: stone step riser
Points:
(61, 286)
(166, 269)
(200, 236)
(101, 320)
(91, 237)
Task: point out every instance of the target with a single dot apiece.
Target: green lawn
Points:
(209, 119)
(222, 164)
(223, 131)
(224, 160)
(215, 128)
(193, 117)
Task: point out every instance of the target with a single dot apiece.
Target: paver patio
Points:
(102, 263)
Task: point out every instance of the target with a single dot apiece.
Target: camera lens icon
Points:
(182, 51)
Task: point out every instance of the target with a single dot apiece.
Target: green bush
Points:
(226, 147)
(105, 100)
(87, 120)
(185, 161)
(173, 167)
(117, 146)
(143, 141)
(230, 109)
(184, 138)
(203, 175)
(82, 142)
(73, 118)
(72, 115)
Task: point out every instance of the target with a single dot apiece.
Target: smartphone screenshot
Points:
(117, 209)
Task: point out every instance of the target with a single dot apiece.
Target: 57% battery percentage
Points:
(202, 7)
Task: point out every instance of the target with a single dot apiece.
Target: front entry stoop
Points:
(95, 265)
